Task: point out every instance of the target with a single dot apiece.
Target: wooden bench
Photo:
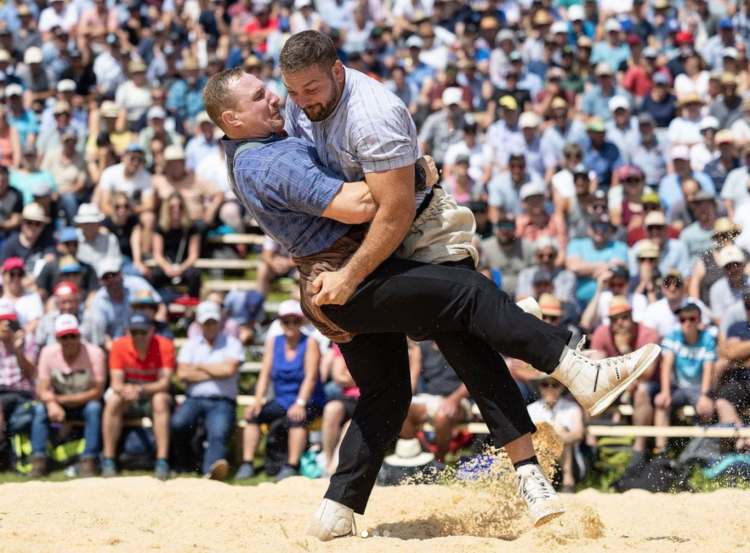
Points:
(246, 239)
(670, 431)
(223, 264)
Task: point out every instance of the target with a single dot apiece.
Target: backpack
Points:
(277, 446)
(656, 477)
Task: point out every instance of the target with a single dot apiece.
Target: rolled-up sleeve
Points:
(388, 141)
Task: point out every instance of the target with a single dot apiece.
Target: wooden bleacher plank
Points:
(223, 264)
(238, 239)
(669, 431)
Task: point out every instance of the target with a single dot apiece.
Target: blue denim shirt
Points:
(285, 187)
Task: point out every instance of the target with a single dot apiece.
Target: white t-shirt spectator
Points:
(684, 85)
(49, 18)
(479, 156)
(29, 308)
(564, 184)
(660, 316)
(134, 99)
(113, 179)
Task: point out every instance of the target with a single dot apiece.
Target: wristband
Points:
(420, 178)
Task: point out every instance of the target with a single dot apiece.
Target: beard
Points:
(321, 112)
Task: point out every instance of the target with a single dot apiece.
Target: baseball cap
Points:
(612, 26)
(650, 53)
(143, 297)
(66, 324)
(559, 27)
(576, 13)
(725, 225)
(647, 249)
(134, 147)
(203, 117)
(680, 152)
(7, 310)
(726, 23)
(109, 109)
(69, 264)
(724, 136)
(452, 96)
(650, 198)
(559, 103)
(41, 189)
(531, 189)
(542, 275)
(13, 90)
(646, 119)
(68, 234)
(207, 311)
(629, 171)
(529, 120)
(139, 321)
(620, 271)
(619, 305)
(545, 241)
(580, 169)
(730, 52)
(156, 112)
(508, 102)
(688, 307)
(709, 122)
(660, 77)
(66, 85)
(595, 124)
(550, 305)
(731, 254)
(137, 66)
(88, 213)
(728, 79)
(602, 68)
(32, 55)
(290, 308)
(703, 196)
(618, 102)
(109, 265)
(655, 218)
(414, 41)
(505, 34)
(12, 263)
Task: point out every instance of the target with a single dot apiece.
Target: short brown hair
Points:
(307, 49)
(217, 97)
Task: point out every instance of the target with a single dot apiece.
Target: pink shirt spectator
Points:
(603, 341)
(347, 391)
(555, 228)
(72, 377)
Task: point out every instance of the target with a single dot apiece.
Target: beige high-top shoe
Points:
(332, 520)
(596, 384)
(539, 495)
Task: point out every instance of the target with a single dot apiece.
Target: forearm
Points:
(27, 367)
(706, 379)
(189, 372)
(161, 385)
(81, 398)
(219, 370)
(213, 209)
(588, 318)
(352, 205)
(306, 389)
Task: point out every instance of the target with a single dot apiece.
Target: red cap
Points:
(683, 37)
(7, 311)
(13, 263)
(633, 40)
(628, 171)
(65, 288)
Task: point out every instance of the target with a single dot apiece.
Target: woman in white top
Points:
(694, 79)
(566, 417)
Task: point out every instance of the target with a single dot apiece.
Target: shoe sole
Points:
(530, 306)
(615, 392)
(556, 510)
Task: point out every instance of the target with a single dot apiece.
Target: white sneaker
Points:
(332, 520)
(596, 384)
(539, 495)
(530, 305)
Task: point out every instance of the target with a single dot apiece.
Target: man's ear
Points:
(338, 71)
(229, 118)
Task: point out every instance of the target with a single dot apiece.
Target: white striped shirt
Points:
(370, 130)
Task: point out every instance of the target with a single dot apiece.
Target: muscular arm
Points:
(352, 205)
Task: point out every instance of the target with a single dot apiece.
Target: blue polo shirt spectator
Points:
(600, 156)
(24, 120)
(186, 97)
(199, 147)
(596, 101)
(689, 358)
(209, 365)
(556, 137)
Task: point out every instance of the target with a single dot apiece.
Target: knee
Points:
(92, 410)
(160, 403)
(642, 395)
(40, 412)
(333, 410)
(114, 405)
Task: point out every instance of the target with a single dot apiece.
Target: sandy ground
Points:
(141, 514)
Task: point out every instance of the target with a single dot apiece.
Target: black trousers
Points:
(472, 322)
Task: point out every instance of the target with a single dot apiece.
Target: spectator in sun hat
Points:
(27, 302)
(70, 382)
(69, 172)
(733, 286)
(209, 365)
(443, 128)
(698, 235)
(535, 222)
(143, 301)
(727, 107)
(66, 266)
(203, 144)
(558, 134)
(33, 243)
(726, 159)
(672, 253)
(596, 100)
(685, 129)
(546, 250)
(622, 129)
(156, 130)
(504, 188)
(95, 246)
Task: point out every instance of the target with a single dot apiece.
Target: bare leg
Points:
(661, 418)
(643, 413)
(333, 417)
(112, 424)
(729, 415)
(414, 419)
(264, 278)
(520, 449)
(566, 463)
(147, 219)
(250, 441)
(444, 430)
(297, 443)
(160, 415)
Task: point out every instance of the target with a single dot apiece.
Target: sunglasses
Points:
(551, 318)
(651, 207)
(550, 385)
(137, 159)
(509, 225)
(688, 319)
(291, 322)
(138, 332)
(600, 227)
(17, 274)
(545, 256)
(107, 276)
(574, 156)
(33, 223)
(632, 181)
(620, 317)
(616, 283)
(67, 337)
(651, 228)
(121, 206)
(647, 260)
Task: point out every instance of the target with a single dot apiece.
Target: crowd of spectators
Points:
(603, 147)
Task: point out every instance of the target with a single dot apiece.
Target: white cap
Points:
(290, 308)
(13, 89)
(709, 122)
(299, 4)
(531, 189)
(66, 85)
(414, 41)
(680, 152)
(207, 311)
(559, 27)
(612, 25)
(731, 254)
(156, 112)
(32, 55)
(618, 102)
(546, 241)
(452, 95)
(108, 265)
(174, 152)
(88, 213)
(7, 310)
(529, 120)
(730, 52)
(66, 324)
(203, 117)
(576, 13)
